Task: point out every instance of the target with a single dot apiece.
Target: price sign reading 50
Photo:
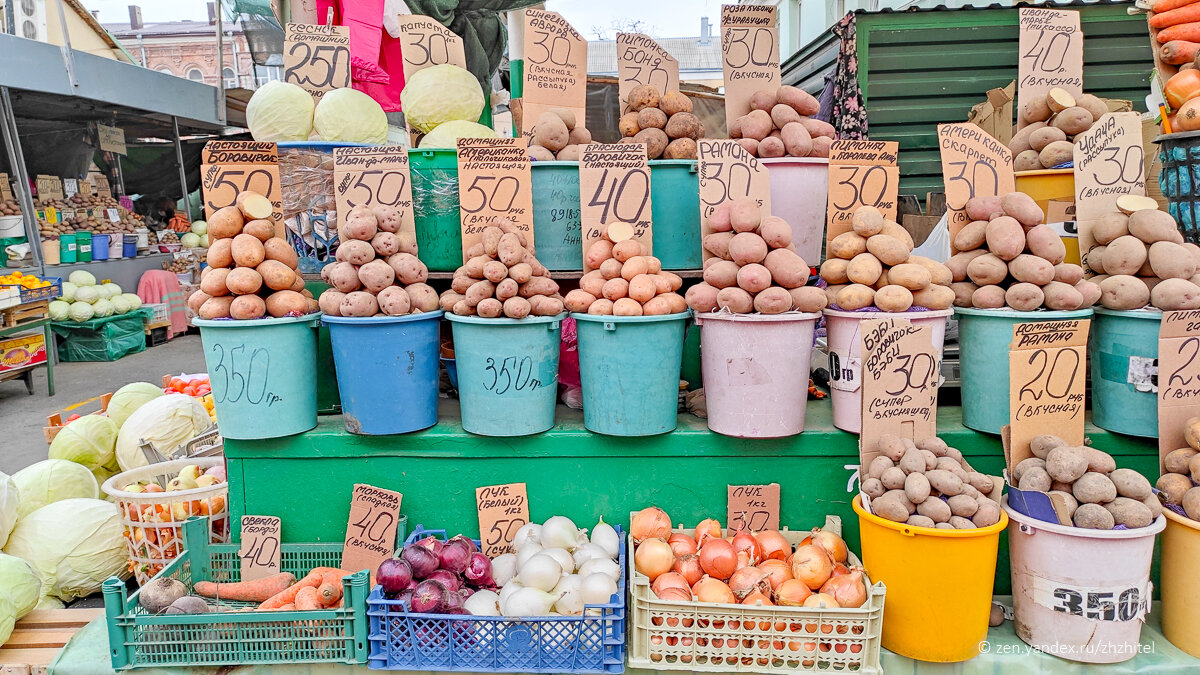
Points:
(376, 187)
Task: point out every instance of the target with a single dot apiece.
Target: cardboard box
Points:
(995, 115)
(22, 351)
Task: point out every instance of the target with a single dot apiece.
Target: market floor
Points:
(22, 416)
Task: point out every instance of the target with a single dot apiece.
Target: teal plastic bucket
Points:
(557, 237)
(675, 208)
(435, 208)
(629, 366)
(263, 374)
(387, 371)
(1122, 350)
(984, 336)
(507, 373)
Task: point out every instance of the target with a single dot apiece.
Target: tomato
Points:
(203, 390)
(72, 418)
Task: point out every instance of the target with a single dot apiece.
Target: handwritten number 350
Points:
(238, 379)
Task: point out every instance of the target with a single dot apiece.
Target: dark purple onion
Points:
(394, 575)
(454, 556)
(465, 592)
(431, 544)
(466, 540)
(479, 570)
(405, 596)
(429, 597)
(446, 578)
(453, 604)
(420, 559)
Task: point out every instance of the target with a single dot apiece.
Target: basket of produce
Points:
(31, 287)
(802, 603)
(555, 605)
(199, 612)
(155, 502)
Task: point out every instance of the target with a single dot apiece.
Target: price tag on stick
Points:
(555, 68)
(371, 529)
(614, 187)
(426, 42)
(900, 375)
(371, 177)
(728, 172)
(70, 187)
(260, 551)
(316, 58)
(1047, 368)
(973, 165)
(503, 509)
(1178, 377)
(229, 168)
(1051, 49)
(753, 507)
(5, 187)
(49, 188)
(749, 55)
(1109, 163)
(493, 181)
(640, 60)
(861, 173)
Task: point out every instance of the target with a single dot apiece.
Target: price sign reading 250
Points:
(241, 375)
(509, 374)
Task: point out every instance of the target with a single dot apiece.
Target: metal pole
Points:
(68, 58)
(187, 203)
(12, 143)
(220, 65)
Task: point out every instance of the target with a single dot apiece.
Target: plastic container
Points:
(675, 210)
(83, 243)
(235, 637)
(50, 292)
(100, 247)
(755, 370)
(629, 367)
(1180, 583)
(306, 190)
(1122, 352)
(509, 377)
(557, 232)
(1180, 155)
(935, 612)
(129, 245)
(1080, 594)
(51, 251)
(264, 382)
(387, 368)
(435, 208)
(593, 643)
(1046, 185)
(845, 357)
(984, 336)
(68, 248)
(143, 237)
(799, 189)
(12, 226)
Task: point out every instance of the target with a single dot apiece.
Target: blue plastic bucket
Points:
(306, 186)
(675, 208)
(557, 237)
(129, 246)
(629, 366)
(984, 336)
(387, 371)
(99, 247)
(507, 373)
(1122, 349)
(263, 374)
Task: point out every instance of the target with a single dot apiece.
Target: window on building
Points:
(231, 80)
(165, 69)
(195, 75)
(265, 74)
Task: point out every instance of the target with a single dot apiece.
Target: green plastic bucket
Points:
(984, 336)
(507, 373)
(435, 208)
(263, 374)
(557, 233)
(83, 245)
(68, 251)
(1122, 349)
(629, 366)
(675, 208)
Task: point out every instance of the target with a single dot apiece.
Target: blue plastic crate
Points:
(50, 292)
(401, 640)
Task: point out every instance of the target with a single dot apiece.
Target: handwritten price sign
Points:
(259, 552)
(900, 375)
(374, 177)
(1178, 376)
(973, 165)
(494, 181)
(861, 173)
(749, 55)
(316, 58)
(371, 529)
(555, 68)
(503, 509)
(1109, 163)
(49, 188)
(426, 42)
(640, 60)
(728, 172)
(1051, 47)
(1047, 368)
(752, 507)
(229, 168)
(614, 187)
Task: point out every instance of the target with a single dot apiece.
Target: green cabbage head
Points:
(129, 398)
(350, 116)
(280, 111)
(81, 311)
(73, 545)
(20, 589)
(89, 440)
(59, 310)
(440, 94)
(53, 480)
(10, 504)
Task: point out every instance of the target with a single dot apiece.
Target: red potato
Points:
(821, 146)
(330, 301)
(774, 300)
(735, 300)
(394, 301)
(744, 215)
(578, 300)
(776, 232)
(771, 147)
(387, 219)
(702, 297)
(376, 276)
(385, 244)
(627, 307)
(720, 220)
(808, 299)
(799, 100)
(746, 248)
(751, 278)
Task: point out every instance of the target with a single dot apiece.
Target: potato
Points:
(538, 153)
(360, 224)
(1065, 465)
(278, 249)
(935, 509)
(1122, 291)
(642, 287)
(1151, 225)
(1022, 208)
(394, 301)
(1035, 478)
(722, 274)
(747, 247)
(517, 308)
(1175, 294)
(1173, 486)
(1042, 444)
(855, 296)
(773, 300)
(1056, 153)
(1130, 484)
(1124, 255)
(578, 300)
(957, 264)
(489, 308)
(376, 275)
(987, 270)
(847, 245)
(478, 291)
(835, 271)
(1045, 136)
(757, 125)
(615, 289)
(248, 251)
(216, 307)
(808, 299)
(752, 278)
(1110, 226)
(1020, 139)
(735, 299)
(934, 297)
(351, 251)
(1191, 503)
(864, 269)
(1068, 273)
(213, 281)
(1074, 120)
(220, 253)
(495, 271)
(260, 229)
(679, 125)
(423, 297)
(988, 297)
(1032, 269)
(890, 506)
(652, 118)
(410, 270)
(972, 235)
(819, 128)
(550, 132)
(655, 140)
(673, 102)
(1093, 259)
(506, 288)
(387, 218)
(797, 99)
(1027, 160)
(578, 135)
(291, 303)
(1035, 110)
(628, 124)
(749, 145)
(889, 250)
(771, 147)
(745, 215)
(225, 223)
(541, 286)
(1093, 517)
(624, 250)
(1029, 463)
(1044, 242)
(243, 281)
(196, 299)
(542, 305)
(330, 302)
(893, 298)
(1094, 488)
(1169, 260)
(1178, 461)
(681, 148)
(1062, 297)
(1005, 237)
(963, 290)
(983, 207)
(1130, 512)
(344, 277)
(569, 153)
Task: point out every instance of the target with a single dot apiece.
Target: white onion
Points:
(570, 601)
(606, 537)
(483, 603)
(587, 552)
(541, 571)
(529, 533)
(603, 565)
(509, 588)
(597, 589)
(528, 602)
(528, 551)
(565, 561)
(560, 531)
(504, 568)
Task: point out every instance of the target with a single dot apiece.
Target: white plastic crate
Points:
(161, 310)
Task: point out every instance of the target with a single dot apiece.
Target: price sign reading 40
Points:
(1050, 43)
(861, 173)
(503, 509)
(259, 552)
(374, 177)
(1047, 369)
(614, 187)
(316, 58)
(752, 507)
(229, 168)
(973, 165)
(371, 528)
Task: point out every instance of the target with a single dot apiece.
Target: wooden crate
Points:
(24, 314)
(39, 637)
(54, 423)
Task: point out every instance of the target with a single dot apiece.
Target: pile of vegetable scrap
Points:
(321, 588)
(814, 393)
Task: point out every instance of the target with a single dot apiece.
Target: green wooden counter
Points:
(306, 479)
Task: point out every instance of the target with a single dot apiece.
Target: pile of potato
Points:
(754, 266)
(928, 484)
(1053, 124)
(1178, 484)
(502, 278)
(251, 272)
(558, 136)
(1141, 259)
(377, 272)
(1099, 496)
(873, 265)
(779, 123)
(624, 280)
(663, 121)
(1007, 256)
(168, 237)
(10, 207)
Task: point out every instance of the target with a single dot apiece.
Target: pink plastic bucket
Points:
(799, 186)
(755, 369)
(845, 357)
(1080, 594)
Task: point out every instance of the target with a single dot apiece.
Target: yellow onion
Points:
(812, 565)
(689, 566)
(773, 545)
(708, 527)
(848, 590)
(745, 542)
(649, 522)
(834, 545)
(670, 580)
(755, 597)
(681, 543)
(821, 601)
(709, 589)
(653, 557)
(792, 593)
(777, 572)
(675, 594)
(748, 579)
(718, 559)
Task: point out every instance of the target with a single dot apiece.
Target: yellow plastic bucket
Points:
(939, 585)
(1047, 185)
(1180, 583)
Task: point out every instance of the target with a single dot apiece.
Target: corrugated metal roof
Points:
(693, 53)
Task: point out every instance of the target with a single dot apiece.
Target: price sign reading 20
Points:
(241, 373)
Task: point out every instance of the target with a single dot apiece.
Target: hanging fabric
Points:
(849, 112)
(364, 18)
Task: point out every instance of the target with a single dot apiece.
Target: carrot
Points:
(1185, 14)
(1168, 5)
(247, 591)
(330, 593)
(1178, 52)
(1183, 31)
(311, 580)
(308, 598)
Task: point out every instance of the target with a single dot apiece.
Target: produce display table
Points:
(27, 372)
(575, 473)
(106, 339)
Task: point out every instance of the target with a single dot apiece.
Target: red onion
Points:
(453, 604)
(420, 559)
(446, 578)
(431, 544)
(405, 596)
(479, 570)
(394, 575)
(466, 540)
(454, 556)
(429, 597)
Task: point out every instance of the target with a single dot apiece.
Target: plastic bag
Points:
(936, 246)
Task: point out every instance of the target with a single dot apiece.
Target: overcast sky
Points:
(661, 18)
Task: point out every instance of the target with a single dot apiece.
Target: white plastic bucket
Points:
(1080, 594)
(12, 226)
(845, 357)
(755, 369)
(799, 187)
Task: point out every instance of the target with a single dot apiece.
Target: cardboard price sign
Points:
(5, 187)
(1047, 367)
(640, 60)
(861, 173)
(493, 182)
(555, 68)
(102, 187)
(614, 187)
(229, 168)
(728, 172)
(49, 187)
(70, 187)
(374, 177)
(112, 139)
(503, 509)
(973, 165)
(752, 507)
(900, 375)
(316, 58)
(1109, 162)
(749, 55)
(426, 42)
(260, 551)
(1178, 377)
(371, 529)
(1051, 48)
